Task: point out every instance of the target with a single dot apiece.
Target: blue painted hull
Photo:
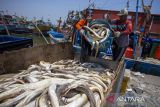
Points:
(143, 67)
(56, 37)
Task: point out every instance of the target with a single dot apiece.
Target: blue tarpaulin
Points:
(55, 34)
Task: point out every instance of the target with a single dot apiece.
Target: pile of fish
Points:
(65, 83)
(99, 34)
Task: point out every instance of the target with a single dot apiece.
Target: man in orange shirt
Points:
(122, 29)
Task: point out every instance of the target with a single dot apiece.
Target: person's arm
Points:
(114, 21)
(114, 27)
(128, 28)
(79, 26)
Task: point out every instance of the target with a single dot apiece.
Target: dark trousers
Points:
(85, 50)
(117, 51)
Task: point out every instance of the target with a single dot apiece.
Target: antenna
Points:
(151, 3)
(127, 5)
(91, 5)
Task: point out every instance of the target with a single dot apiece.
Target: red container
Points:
(129, 53)
(157, 53)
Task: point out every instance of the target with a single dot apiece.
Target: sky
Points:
(53, 9)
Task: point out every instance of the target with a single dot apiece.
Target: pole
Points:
(135, 28)
(135, 25)
(40, 32)
(4, 23)
(151, 24)
(127, 6)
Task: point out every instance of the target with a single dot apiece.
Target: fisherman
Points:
(122, 28)
(85, 45)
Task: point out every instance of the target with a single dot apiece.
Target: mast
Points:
(1, 15)
(135, 28)
(127, 5)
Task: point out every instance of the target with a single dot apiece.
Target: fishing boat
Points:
(19, 29)
(9, 43)
(10, 27)
(21, 25)
(43, 26)
(56, 37)
(5, 23)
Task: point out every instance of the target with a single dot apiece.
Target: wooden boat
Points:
(43, 26)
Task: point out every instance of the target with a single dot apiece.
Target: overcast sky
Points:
(53, 9)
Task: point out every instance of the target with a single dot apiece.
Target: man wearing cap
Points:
(122, 28)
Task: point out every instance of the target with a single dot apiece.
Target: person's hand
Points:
(117, 34)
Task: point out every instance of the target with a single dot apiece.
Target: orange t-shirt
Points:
(80, 24)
